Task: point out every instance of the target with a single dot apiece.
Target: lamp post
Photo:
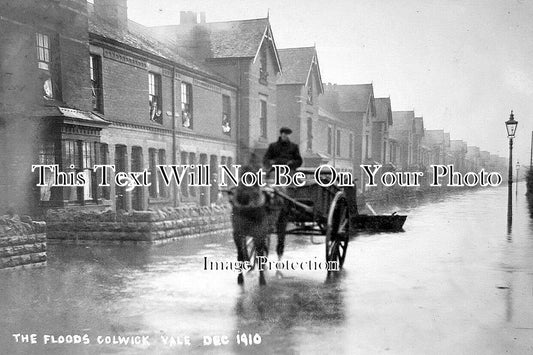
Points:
(510, 125)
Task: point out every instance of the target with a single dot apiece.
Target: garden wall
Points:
(22, 242)
(150, 226)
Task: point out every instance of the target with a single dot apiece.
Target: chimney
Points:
(115, 12)
(202, 17)
(188, 18)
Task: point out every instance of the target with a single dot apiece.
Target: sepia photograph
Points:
(266, 177)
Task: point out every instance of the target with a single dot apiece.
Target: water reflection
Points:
(529, 199)
(289, 309)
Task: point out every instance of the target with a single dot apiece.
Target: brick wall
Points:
(139, 226)
(22, 242)
(257, 92)
(289, 112)
(246, 73)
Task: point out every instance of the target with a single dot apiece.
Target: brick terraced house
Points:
(97, 89)
(245, 53)
(298, 94)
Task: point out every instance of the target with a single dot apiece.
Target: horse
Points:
(254, 212)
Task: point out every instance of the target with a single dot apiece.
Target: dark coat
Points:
(283, 152)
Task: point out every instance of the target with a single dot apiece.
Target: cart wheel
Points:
(338, 229)
(251, 252)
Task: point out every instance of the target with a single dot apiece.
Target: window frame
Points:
(95, 70)
(152, 162)
(48, 64)
(187, 105)
(155, 96)
(226, 115)
(43, 46)
(184, 186)
(192, 189)
(162, 188)
(263, 116)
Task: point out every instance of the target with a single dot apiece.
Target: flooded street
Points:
(456, 281)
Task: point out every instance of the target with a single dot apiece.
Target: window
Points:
(154, 98)
(48, 73)
(104, 159)
(229, 163)
(338, 142)
(47, 156)
(192, 161)
(184, 186)
(263, 71)
(263, 119)
(351, 146)
(309, 133)
(226, 115)
(80, 157)
(88, 159)
(157, 188)
(161, 159)
(71, 163)
(186, 105)
(153, 188)
(121, 153)
(95, 64)
(137, 165)
(310, 93)
(43, 51)
(330, 138)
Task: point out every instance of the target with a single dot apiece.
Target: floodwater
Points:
(457, 280)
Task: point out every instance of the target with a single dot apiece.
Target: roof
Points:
(472, 151)
(383, 110)
(457, 145)
(403, 120)
(298, 66)
(326, 114)
(73, 116)
(137, 36)
(228, 39)
(434, 136)
(352, 98)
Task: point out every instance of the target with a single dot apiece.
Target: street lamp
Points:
(510, 125)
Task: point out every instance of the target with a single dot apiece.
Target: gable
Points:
(268, 41)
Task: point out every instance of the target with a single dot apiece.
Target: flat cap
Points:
(286, 130)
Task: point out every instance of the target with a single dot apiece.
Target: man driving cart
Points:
(283, 152)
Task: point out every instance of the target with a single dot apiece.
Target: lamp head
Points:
(511, 124)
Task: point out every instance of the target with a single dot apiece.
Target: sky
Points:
(462, 65)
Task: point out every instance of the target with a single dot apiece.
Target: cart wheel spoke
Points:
(337, 233)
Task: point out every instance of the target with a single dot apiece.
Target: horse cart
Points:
(312, 209)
